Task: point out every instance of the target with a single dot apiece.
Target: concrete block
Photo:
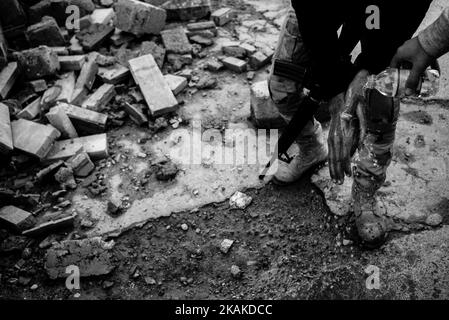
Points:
(38, 62)
(100, 98)
(31, 111)
(96, 146)
(176, 83)
(102, 16)
(235, 64)
(152, 84)
(176, 41)
(72, 63)
(264, 113)
(59, 119)
(187, 10)
(6, 143)
(136, 113)
(45, 32)
(33, 138)
(8, 77)
(223, 16)
(85, 120)
(15, 218)
(114, 75)
(258, 60)
(139, 18)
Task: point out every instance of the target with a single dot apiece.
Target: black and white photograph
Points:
(224, 156)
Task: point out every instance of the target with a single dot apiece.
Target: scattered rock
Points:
(240, 201)
(235, 271)
(226, 245)
(434, 220)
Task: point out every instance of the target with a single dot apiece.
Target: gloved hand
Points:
(344, 132)
(412, 51)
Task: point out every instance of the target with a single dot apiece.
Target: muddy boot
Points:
(312, 151)
(369, 216)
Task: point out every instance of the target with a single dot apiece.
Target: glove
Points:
(344, 132)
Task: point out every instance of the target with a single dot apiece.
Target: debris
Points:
(223, 16)
(113, 75)
(167, 171)
(92, 256)
(138, 17)
(81, 164)
(136, 113)
(8, 77)
(226, 245)
(94, 36)
(102, 16)
(114, 207)
(38, 62)
(65, 178)
(250, 75)
(235, 64)
(176, 83)
(264, 113)
(50, 226)
(67, 85)
(240, 200)
(38, 85)
(71, 63)
(46, 32)
(157, 93)
(235, 271)
(178, 61)
(6, 142)
(16, 219)
(31, 111)
(186, 10)
(96, 147)
(206, 82)
(214, 65)
(249, 49)
(51, 169)
(34, 287)
(59, 119)
(158, 52)
(198, 27)
(234, 49)
(206, 42)
(100, 98)
(258, 60)
(85, 120)
(434, 220)
(33, 138)
(176, 41)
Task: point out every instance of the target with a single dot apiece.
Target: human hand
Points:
(412, 51)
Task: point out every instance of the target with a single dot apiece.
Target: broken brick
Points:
(8, 77)
(136, 113)
(31, 111)
(85, 120)
(71, 63)
(235, 64)
(113, 75)
(176, 83)
(152, 84)
(94, 36)
(59, 119)
(38, 62)
(81, 164)
(258, 60)
(6, 143)
(46, 32)
(176, 41)
(16, 218)
(33, 138)
(223, 16)
(139, 17)
(100, 98)
(186, 10)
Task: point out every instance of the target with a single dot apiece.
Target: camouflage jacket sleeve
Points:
(435, 38)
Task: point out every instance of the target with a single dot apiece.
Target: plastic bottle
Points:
(391, 82)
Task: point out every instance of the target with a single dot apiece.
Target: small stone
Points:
(434, 220)
(226, 245)
(150, 281)
(184, 227)
(236, 272)
(114, 207)
(34, 287)
(240, 201)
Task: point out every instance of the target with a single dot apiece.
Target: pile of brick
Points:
(70, 70)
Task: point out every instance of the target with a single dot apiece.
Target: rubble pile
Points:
(72, 71)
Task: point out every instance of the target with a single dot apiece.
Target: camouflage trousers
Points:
(375, 149)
